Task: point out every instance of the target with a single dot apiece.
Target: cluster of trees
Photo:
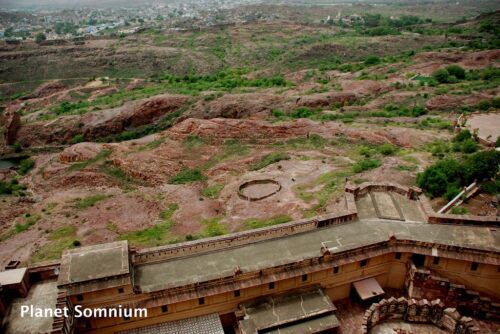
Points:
(224, 80)
(448, 176)
(449, 74)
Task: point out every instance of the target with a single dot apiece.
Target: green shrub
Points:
(258, 223)
(269, 159)
(365, 164)
(77, 139)
(25, 166)
(456, 71)
(372, 60)
(452, 190)
(212, 191)
(459, 211)
(90, 201)
(436, 178)
(387, 149)
(484, 105)
(462, 135)
(187, 175)
(11, 187)
(491, 187)
(441, 75)
(481, 166)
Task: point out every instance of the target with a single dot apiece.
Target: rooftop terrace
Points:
(256, 256)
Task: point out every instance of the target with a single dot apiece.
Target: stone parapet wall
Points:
(417, 311)
(63, 325)
(423, 283)
(242, 238)
(364, 188)
(429, 213)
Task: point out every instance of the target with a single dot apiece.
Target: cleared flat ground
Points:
(487, 124)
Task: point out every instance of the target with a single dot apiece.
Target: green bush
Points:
(445, 177)
(387, 149)
(436, 178)
(441, 75)
(371, 60)
(456, 71)
(459, 211)
(481, 166)
(77, 139)
(365, 164)
(484, 105)
(25, 166)
(187, 175)
(11, 187)
(462, 135)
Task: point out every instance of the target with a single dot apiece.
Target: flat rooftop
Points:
(157, 276)
(41, 295)
(207, 324)
(94, 262)
(13, 276)
(291, 310)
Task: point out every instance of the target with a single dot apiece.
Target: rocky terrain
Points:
(159, 160)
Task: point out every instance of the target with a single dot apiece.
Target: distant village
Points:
(68, 24)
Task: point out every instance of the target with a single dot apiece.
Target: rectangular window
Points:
(120, 290)
(335, 270)
(398, 256)
(271, 285)
(474, 266)
(305, 277)
(164, 308)
(236, 293)
(79, 298)
(363, 263)
(201, 301)
(435, 260)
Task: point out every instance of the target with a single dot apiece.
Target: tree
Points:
(481, 166)
(457, 71)
(40, 37)
(436, 179)
(441, 75)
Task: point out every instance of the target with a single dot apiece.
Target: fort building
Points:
(387, 252)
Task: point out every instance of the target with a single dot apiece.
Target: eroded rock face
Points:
(326, 99)
(100, 124)
(235, 106)
(46, 89)
(12, 122)
(447, 102)
(80, 152)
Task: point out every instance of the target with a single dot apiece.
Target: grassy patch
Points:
(90, 201)
(212, 191)
(257, 223)
(157, 235)
(365, 165)
(82, 164)
(59, 240)
(192, 141)
(269, 159)
(328, 189)
(187, 176)
(117, 174)
(12, 187)
(232, 148)
(25, 166)
(459, 211)
(213, 227)
(28, 222)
